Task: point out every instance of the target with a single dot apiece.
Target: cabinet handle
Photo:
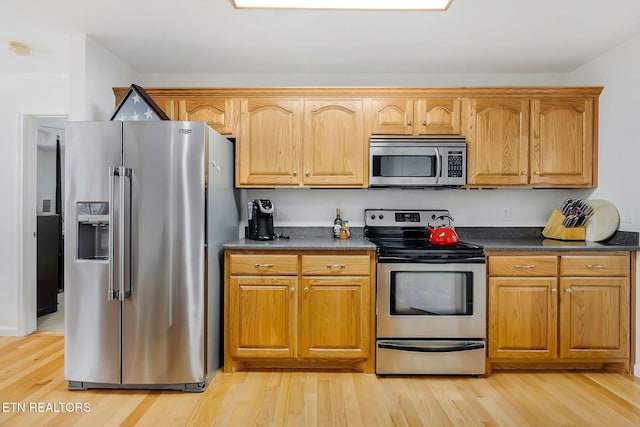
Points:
(524, 266)
(568, 290)
(294, 172)
(596, 266)
(336, 266)
(262, 265)
(292, 290)
(306, 289)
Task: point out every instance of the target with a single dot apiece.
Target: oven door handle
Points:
(427, 348)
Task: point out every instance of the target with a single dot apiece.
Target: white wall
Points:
(21, 94)
(619, 70)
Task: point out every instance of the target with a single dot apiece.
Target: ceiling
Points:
(210, 36)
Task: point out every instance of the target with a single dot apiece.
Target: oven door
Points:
(404, 165)
(428, 301)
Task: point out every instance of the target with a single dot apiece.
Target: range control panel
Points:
(407, 218)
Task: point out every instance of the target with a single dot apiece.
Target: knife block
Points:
(555, 230)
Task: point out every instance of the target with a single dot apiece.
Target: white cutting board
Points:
(603, 222)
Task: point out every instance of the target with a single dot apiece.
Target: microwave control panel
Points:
(455, 164)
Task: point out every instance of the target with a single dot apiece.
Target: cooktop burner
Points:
(402, 236)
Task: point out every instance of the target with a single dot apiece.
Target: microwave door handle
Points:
(438, 165)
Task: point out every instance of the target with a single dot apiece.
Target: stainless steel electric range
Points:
(431, 299)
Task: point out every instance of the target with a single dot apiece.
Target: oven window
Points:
(435, 293)
(404, 166)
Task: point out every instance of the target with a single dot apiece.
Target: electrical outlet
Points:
(626, 214)
(506, 214)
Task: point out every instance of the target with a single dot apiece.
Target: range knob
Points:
(380, 216)
(373, 217)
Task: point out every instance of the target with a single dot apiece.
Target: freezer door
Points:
(92, 322)
(163, 317)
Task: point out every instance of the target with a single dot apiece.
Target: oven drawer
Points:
(430, 357)
(608, 265)
(332, 265)
(523, 265)
(263, 264)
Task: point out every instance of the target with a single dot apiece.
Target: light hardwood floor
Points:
(31, 374)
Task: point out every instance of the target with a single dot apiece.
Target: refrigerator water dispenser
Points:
(93, 231)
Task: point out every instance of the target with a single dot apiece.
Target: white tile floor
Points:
(53, 321)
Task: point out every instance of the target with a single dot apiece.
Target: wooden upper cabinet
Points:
(402, 116)
(168, 105)
(393, 116)
(268, 142)
(216, 112)
(562, 151)
(438, 116)
(334, 144)
(497, 141)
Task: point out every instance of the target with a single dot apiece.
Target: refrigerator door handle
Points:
(111, 292)
(123, 293)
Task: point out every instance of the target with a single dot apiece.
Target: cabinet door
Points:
(168, 105)
(268, 142)
(522, 318)
(438, 116)
(594, 317)
(334, 143)
(393, 116)
(216, 112)
(562, 143)
(263, 316)
(497, 141)
(334, 316)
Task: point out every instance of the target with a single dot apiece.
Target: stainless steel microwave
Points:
(402, 161)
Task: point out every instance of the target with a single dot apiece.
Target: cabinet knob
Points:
(424, 123)
(294, 172)
(409, 123)
(554, 290)
(523, 173)
(306, 289)
(307, 173)
(537, 172)
(292, 290)
(568, 290)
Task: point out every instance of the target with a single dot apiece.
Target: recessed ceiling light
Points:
(19, 48)
(343, 4)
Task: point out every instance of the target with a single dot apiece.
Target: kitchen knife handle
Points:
(112, 177)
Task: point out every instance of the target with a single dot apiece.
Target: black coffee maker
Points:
(260, 214)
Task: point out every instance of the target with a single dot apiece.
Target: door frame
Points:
(27, 219)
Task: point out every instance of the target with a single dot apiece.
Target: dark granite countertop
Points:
(491, 238)
(531, 239)
(299, 243)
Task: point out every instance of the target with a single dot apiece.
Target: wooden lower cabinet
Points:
(299, 309)
(565, 309)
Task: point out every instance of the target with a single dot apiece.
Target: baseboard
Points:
(13, 332)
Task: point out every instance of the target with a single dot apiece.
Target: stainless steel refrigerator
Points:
(148, 205)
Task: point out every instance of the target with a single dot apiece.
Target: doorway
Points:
(49, 212)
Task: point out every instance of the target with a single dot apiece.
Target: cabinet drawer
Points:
(607, 265)
(347, 265)
(523, 265)
(263, 264)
